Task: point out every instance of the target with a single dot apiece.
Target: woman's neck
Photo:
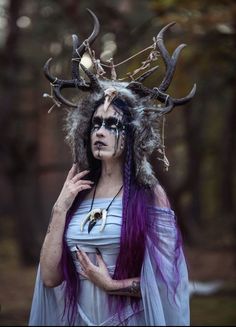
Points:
(110, 181)
(111, 173)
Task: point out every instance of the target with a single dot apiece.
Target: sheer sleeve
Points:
(47, 305)
(164, 275)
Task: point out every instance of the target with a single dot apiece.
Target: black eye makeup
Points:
(109, 123)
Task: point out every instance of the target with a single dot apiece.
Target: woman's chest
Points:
(96, 225)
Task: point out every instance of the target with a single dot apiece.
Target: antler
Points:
(170, 64)
(77, 81)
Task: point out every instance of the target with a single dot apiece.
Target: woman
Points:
(112, 254)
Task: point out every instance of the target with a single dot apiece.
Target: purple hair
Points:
(70, 274)
(134, 230)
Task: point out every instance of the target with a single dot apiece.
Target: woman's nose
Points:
(101, 131)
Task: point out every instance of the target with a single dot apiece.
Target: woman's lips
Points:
(99, 144)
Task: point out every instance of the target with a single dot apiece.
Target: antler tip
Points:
(194, 89)
(47, 63)
(170, 24)
(46, 69)
(90, 11)
(162, 31)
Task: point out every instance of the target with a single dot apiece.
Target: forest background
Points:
(200, 138)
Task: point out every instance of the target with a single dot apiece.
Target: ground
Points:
(17, 283)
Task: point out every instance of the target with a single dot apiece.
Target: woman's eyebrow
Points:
(106, 118)
(97, 117)
(111, 118)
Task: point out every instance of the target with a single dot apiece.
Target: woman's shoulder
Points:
(161, 208)
(160, 199)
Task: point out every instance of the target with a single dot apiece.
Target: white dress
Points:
(157, 306)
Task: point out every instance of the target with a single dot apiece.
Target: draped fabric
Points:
(160, 304)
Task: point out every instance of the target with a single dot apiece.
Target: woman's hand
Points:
(99, 274)
(72, 186)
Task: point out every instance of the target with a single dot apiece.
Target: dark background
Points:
(199, 137)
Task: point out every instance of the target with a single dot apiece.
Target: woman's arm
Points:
(53, 243)
(99, 275)
(52, 248)
(127, 287)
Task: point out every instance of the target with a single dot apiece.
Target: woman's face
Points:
(107, 133)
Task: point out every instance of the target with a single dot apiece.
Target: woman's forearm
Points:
(51, 251)
(126, 287)
(52, 248)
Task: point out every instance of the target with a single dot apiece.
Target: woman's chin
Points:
(105, 156)
(102, 155)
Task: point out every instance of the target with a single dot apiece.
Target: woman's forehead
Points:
(110, 112)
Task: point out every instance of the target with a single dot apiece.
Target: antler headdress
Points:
(145, 112)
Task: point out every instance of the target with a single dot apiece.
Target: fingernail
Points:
(77, 247)
(98, 251)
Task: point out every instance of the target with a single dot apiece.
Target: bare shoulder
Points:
(160, 197)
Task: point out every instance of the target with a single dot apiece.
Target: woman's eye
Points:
(96, 123)
(111, 123)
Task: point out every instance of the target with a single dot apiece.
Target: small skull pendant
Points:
(93, 219)
(93, 216)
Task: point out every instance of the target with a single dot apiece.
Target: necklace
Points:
(95, 214)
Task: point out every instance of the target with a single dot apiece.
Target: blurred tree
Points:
(19, 146)
(204, 195)
(199, 138)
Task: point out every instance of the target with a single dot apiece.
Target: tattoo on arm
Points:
(49, 225)
(49, 228)
(132, 290)
(48, 231)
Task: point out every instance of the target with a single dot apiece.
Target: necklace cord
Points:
(101, 213)
(114, 198)
(111, 200)
(95, 186)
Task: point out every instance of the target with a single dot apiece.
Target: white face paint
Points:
(107, 133)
